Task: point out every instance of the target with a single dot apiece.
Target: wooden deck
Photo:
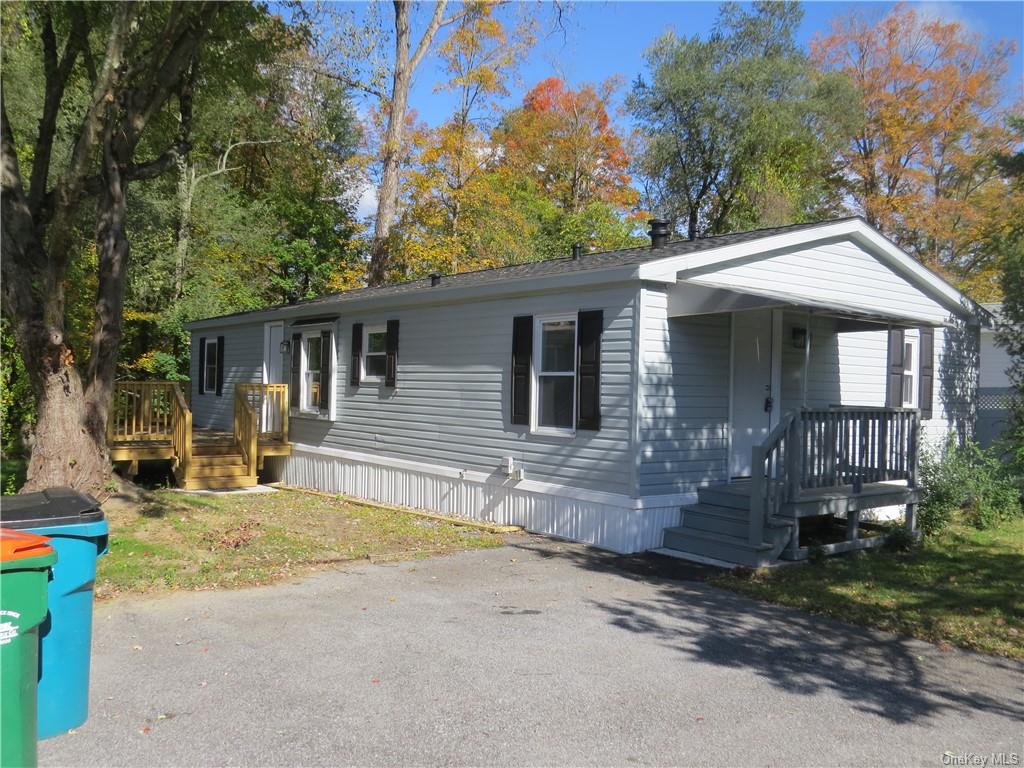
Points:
(151, 421)
(818, 465)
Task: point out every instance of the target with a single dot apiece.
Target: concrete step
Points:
(732, 496)
(716, 519)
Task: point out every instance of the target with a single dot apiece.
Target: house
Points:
(621, 398)
(994, 388)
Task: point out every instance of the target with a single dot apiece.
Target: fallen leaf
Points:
(145, 729)
(136, 647)
(375, 680)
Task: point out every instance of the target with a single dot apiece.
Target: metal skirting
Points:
(620, 528)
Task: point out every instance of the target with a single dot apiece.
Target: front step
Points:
(230, 470)
(717, 527)
(212, 483)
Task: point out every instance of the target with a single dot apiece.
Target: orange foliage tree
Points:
(565, 140)
(921, 166)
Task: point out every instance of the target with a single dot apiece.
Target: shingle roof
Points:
(622, 257)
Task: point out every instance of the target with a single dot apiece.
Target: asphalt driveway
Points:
(537, 653)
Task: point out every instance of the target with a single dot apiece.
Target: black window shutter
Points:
(894, 389)
(220, 365)
(202, 365)
(325, 371)
(356, 359)
(522, 350)
(295, 395)
(927, 373)
(391, 358)
(588, 372)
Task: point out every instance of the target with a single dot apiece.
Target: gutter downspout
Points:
(807, 360)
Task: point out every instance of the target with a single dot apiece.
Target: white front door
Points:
(755, 383)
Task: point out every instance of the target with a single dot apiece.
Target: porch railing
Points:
(181, 439)
(270, 401)
(246, 430)
(830, 447)
(141, 411)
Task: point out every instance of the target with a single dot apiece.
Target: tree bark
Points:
(184, 234)
(387, 192)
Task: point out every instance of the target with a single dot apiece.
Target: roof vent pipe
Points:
(659, 232)
(435, 279)
(577, 251)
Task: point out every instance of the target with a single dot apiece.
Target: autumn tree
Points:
(921, 161)
(737, 130)
(116, 84)
(564, 138)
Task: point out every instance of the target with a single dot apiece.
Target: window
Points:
(311, 384)
(312, 375)
(555, 353)
(210, 366)
(375, 357)
(909, 372)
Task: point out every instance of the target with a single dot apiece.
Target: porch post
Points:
(807, 360)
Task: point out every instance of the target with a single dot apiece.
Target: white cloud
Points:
(948, 12)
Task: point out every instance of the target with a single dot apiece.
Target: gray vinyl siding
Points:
(684, 398)
(451, 405)
(243, 364)
(850, 369)
(840, 272)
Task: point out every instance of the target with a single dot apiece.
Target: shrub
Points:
(899, 539)
(967, 479)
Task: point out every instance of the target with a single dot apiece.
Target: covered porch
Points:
(152, 421)
(822, 427)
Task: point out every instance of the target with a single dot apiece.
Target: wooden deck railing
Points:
(246, 430)
(181, 439)
(141, 411)
(830, 447)
(270, 402)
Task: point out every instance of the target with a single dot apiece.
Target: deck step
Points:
(222, 470)
(217, 460)
(720, 546)
(716, 519)
(212, 483)
(213, 449)
(732, 495)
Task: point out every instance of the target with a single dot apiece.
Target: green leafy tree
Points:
(738, 130)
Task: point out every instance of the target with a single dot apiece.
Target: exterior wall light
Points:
(286, 346)
(799, 338)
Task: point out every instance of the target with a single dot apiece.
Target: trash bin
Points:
(25, 561)
(78, 532)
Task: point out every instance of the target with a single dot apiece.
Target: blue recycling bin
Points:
(78, 532)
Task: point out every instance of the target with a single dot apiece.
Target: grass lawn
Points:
(963, 588)
(177, 541)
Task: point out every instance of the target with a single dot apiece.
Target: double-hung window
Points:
(375, 357)
(313, 349)
(555, 370)
(312, 375)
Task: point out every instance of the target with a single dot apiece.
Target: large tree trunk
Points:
(65, 448)
(184, 234)
(387, 193)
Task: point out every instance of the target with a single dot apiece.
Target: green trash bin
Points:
(25, 561)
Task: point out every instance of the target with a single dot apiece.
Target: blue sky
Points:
(608, 38)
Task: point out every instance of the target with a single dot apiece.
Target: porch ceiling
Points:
(730, 298)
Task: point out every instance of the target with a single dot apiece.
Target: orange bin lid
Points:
(18, 545)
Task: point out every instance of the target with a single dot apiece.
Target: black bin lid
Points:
(54, 506)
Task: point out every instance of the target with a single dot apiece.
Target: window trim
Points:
(208, 388)
(366, 377)
(913, 371)
(309, 332)
(535, 374)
